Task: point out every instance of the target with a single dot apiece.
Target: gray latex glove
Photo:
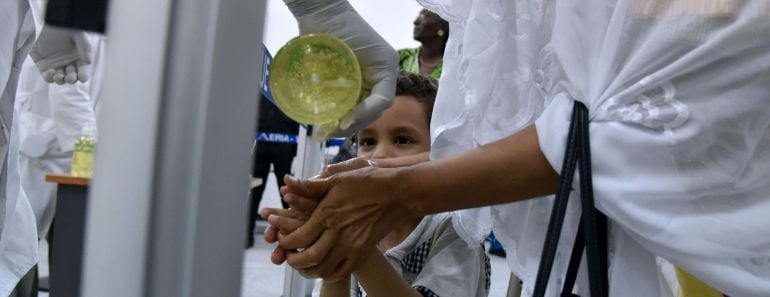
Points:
(63, 55)
(378, 60)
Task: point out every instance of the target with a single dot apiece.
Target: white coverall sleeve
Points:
(677, 93)
(679, 126)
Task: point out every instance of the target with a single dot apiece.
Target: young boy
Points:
(422, 257)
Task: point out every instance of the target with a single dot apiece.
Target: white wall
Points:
(392, 19)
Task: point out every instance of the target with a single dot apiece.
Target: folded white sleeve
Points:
(679, 127)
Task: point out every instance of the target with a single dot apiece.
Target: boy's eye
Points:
(402, 140)
(366, 142)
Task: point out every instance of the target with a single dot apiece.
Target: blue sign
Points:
(291, 138)
(276, 137)
(335, 142)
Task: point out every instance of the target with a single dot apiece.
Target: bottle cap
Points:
(89, 130)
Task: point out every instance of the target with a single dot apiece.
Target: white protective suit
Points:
(51, 117)
(678, 93)
(18, 237)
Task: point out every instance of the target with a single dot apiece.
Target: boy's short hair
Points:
(422, 87)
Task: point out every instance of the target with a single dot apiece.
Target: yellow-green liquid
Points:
(315, 79)
(83, 157)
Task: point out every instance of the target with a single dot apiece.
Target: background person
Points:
(432, 32)
(276, 146)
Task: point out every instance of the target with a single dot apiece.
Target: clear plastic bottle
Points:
(83, 154)
(315, 79)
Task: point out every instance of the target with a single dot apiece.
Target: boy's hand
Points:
(282, 222)
(286, 221)
(351, 164)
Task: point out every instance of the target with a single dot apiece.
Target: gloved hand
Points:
(63, 55)
(378, 60)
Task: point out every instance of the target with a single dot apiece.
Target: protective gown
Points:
(678, 93)
(18, 237)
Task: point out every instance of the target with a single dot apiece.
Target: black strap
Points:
(594, 221)
(559, 209)
(574, 263)
(593, 225)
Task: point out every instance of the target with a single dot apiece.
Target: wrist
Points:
(369, 258)
(406, 191)
(344, 280)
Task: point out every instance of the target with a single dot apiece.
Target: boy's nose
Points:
(382, 152)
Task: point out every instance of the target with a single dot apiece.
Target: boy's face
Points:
(402, 130)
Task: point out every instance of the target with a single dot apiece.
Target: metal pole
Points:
(514, 287)
(167, 210)
(310, 156)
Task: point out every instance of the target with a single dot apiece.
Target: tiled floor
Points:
(263, 279)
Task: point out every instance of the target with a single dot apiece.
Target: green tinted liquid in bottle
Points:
(315, 79)
(83, 154)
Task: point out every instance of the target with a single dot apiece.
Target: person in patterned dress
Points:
(432, 32)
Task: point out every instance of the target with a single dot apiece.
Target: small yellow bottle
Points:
(83, 154)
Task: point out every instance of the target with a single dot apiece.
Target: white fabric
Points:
(19, 244)
(51, 118)
(75, 107)
(667, 273)
(677, 93)
(36, 136)
(451, 268)
(18, 239)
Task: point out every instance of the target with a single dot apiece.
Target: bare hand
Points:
(356, 209)
(348, 165)
(282, 221)
(286, 221)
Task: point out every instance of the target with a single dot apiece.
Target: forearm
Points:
(508, 170)
(379, 279)
(339, 288)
